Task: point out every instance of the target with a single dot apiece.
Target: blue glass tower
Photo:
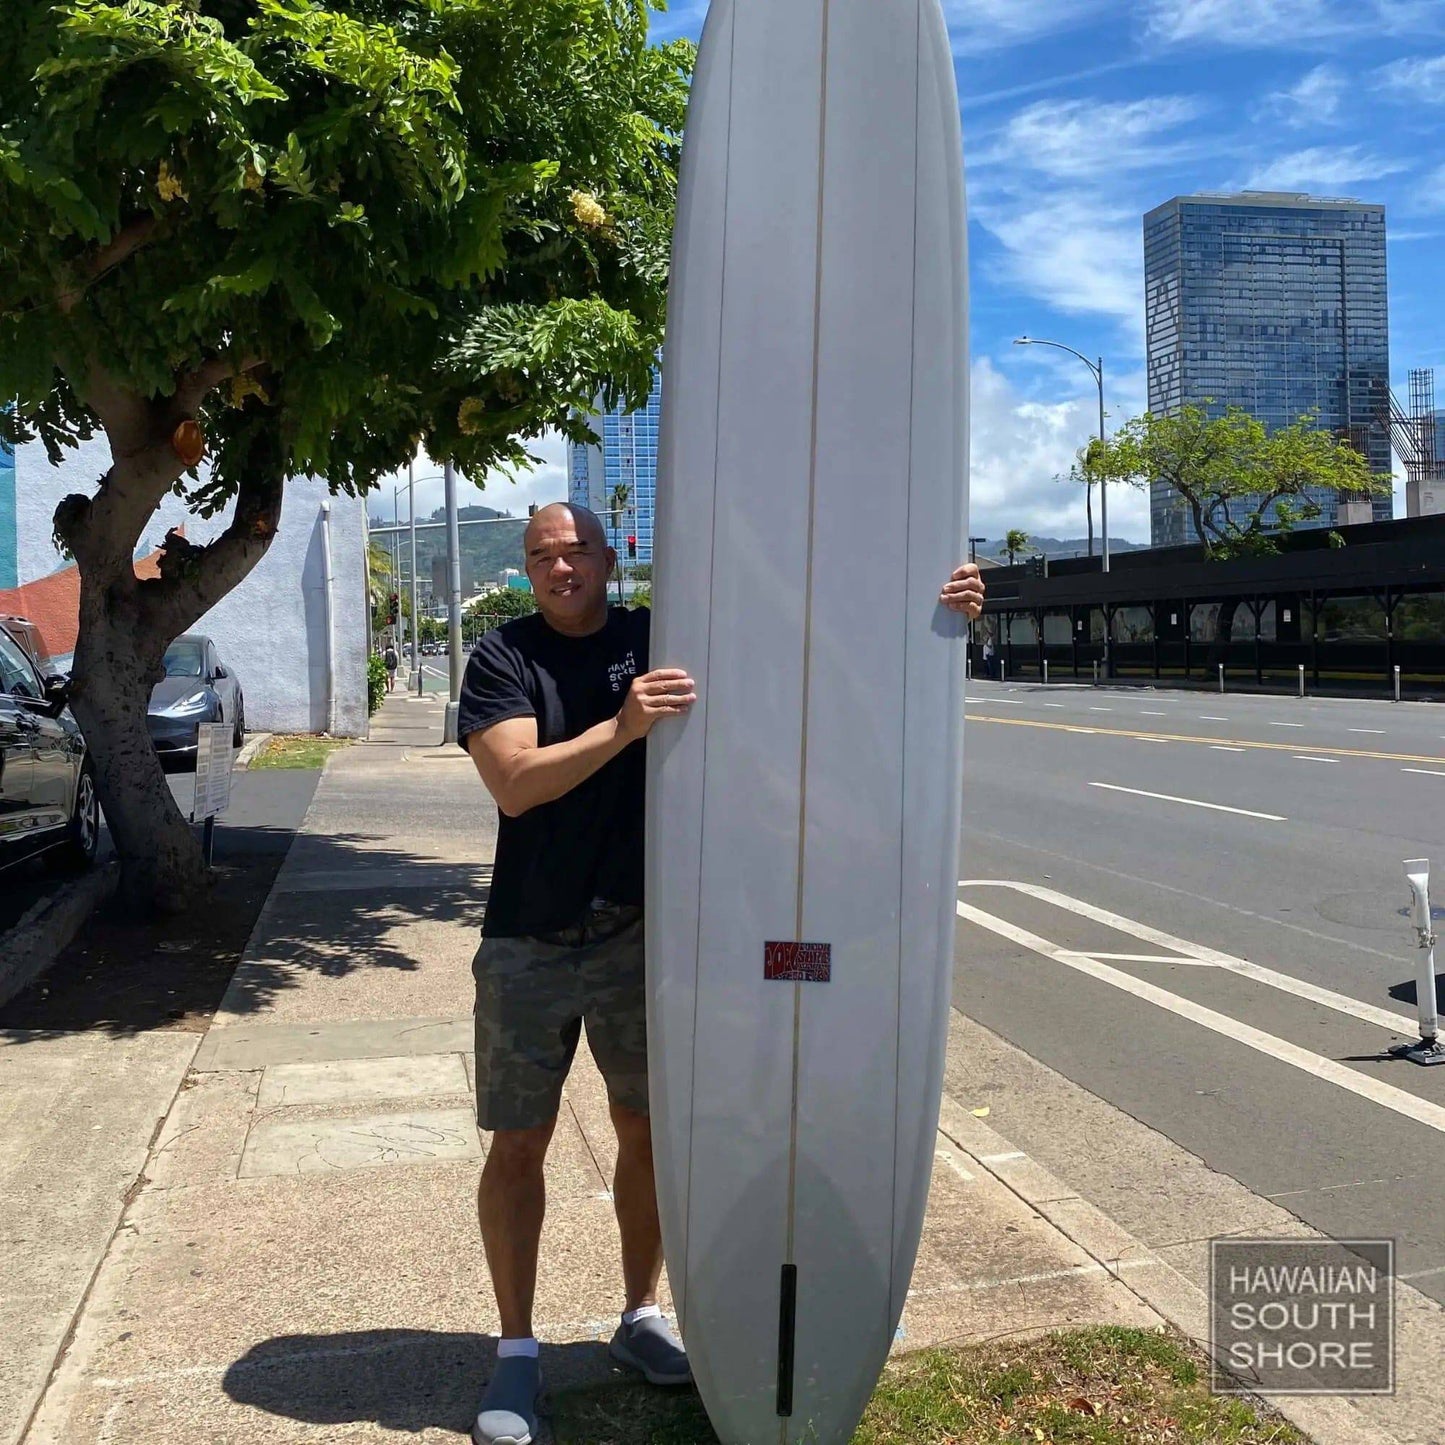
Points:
(627, 458)
(1275, 303)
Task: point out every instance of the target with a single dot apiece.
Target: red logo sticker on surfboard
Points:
(798, 962)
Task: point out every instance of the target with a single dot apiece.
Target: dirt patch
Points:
(168, 973)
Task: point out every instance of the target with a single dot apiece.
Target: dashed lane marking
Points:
(1191, 802)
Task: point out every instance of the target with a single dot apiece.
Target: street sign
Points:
(213, 771)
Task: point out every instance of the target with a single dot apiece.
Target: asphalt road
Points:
(1194, 907)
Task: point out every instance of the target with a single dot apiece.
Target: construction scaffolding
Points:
(1415, 437)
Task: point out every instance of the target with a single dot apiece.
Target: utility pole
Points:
(414, 681)
(454, 599)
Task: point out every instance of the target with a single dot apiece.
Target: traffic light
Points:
(1038, 566)
(631, 547)
(395, 608)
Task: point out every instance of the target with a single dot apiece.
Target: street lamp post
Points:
(1096, 369)
(414, 681)
(454, 604)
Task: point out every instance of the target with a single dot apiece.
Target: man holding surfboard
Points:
(553, 710)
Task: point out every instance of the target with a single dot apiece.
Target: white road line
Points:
(999, 702)
(1409, 1106)
(1378, 732)
(1191, 802)
(1053, 704)
(1209, 717)
(1101, 709)
(1286, 725)
(1285, 982)
(1300, 758)
(1424, 772)
(1153, 714)
(1220, 748)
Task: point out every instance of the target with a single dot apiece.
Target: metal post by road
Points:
(414, 681)
(1397, 682)
(454, 602)
(1429, 1050)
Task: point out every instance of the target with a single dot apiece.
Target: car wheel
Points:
(238, 735)
(78, 850)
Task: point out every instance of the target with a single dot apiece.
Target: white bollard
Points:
(1301, 679)
(1221, 677)
(1429, 1050)
(1397, 682)
(1046, 672)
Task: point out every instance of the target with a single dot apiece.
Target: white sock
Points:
(647, 1312)
(510, 1349)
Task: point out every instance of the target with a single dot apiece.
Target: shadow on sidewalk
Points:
(409, 1380)
(348, 910)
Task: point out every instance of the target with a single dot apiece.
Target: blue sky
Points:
(1080, 115)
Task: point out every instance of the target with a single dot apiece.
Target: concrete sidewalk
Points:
(296, 1257)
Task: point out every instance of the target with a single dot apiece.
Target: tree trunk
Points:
(117, 662)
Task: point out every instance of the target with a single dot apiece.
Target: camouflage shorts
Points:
(533, 996)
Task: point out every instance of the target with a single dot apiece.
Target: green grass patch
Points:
(297, 752)
(1103, 1386)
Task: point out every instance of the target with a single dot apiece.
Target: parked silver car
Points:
(197, 688)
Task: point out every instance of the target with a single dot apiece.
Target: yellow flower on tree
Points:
(469, 416)
(589, 211)
(168, 184)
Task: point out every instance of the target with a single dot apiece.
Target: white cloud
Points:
(546, 483)
(1057, 187)
(980, 25)
(1281, 23)
(1414, 79)
(1072, 139)
(1284, 24)
(1321, 167)
(1313, 100)
(1021, 446)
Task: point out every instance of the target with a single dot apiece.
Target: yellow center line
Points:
(1019, 722)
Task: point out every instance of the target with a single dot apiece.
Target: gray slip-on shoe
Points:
(651, 1346)
(508, 1413)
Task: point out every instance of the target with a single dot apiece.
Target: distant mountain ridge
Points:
(490, 550)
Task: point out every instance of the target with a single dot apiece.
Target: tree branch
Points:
(193, 388)
(124, 244)
(194, 578)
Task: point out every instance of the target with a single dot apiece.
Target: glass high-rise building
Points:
(627, 458)
(1275, 303)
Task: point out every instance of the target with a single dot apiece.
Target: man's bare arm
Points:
(522, 776)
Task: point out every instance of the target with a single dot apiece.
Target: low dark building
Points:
(1348, 614)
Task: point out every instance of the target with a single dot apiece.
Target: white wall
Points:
(272, 628)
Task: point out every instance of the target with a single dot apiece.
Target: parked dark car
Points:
(47, 785)
(197, 689)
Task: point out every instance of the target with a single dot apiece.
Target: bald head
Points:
(568, 564)
(587, 525)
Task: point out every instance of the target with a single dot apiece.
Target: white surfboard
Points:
(803, 821)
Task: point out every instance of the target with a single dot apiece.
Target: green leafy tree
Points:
(1014, 542)
(496, 608)
(255, 239)
(1242, 484)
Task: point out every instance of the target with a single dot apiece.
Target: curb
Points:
(34, 943)
(253, 745)
(1327, 1420)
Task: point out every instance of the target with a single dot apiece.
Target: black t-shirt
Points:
(556, 858)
